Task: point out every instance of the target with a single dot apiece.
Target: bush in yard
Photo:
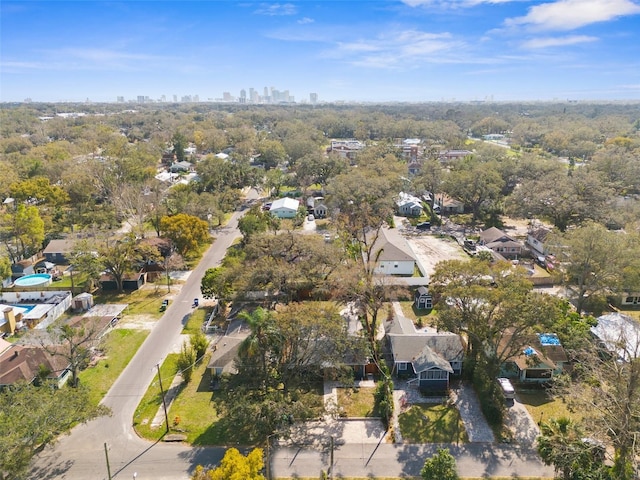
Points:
(442, 466)
(383, 395)
(200, 343)
(186, 361)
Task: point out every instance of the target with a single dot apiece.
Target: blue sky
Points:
(410, 50)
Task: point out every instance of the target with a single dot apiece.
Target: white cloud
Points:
(401, 49)
(546, 42)
(276, 9)
(305, 20)
(572, 14)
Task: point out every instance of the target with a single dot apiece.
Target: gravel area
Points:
(430, 250)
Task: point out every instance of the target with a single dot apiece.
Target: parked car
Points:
(424, 226)
(165, 304)
(311, 218)
(507, 389)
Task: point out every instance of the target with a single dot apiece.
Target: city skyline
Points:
(366, 51)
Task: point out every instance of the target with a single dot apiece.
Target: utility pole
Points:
(164, 403)
(106, 454)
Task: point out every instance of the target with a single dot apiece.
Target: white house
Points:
(409, 205)
(536, 240)
(285, 207)
(392, 254)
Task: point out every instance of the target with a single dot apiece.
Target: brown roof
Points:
(21, 363)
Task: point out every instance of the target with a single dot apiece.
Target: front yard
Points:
(542, 407)
(356, 402)
(432, 423)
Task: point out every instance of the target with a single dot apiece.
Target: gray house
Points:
(429, 359)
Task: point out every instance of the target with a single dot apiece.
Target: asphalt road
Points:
(81, 455)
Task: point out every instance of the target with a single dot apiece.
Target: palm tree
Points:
(261, 339)
(562, 445)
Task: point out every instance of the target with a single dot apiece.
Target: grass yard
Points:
(196, 320)
(432, 423)
(152, 401)
(120, 346)
(145, 301)
(419, 317)
(357, 402)
(543, 407)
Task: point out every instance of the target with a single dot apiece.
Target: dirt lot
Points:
(430, 250)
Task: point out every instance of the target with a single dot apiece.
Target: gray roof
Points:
(427, 350)
(225, 353)
(392, 246)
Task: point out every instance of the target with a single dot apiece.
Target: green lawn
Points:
(432, 423)
(357, 402)
(120, 346)
(152, 401)
(543, 407)
(419, 317)
(145, 301)
(196, 320)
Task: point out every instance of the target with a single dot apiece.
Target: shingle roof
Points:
(22, 363)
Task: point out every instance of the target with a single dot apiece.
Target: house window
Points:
(402, 366)
(434, 375)
(395, 265)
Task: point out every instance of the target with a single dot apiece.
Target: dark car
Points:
(424, 226)
(165, 304)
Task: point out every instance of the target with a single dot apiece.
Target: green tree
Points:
(217, 282)
(271, 152)
(561, 444)
(234, 466)
(73, 344)
(122, 256)
(22, 231)
(5, 268)
(186, 361)
(475, 184)
(33, 417)
(442, 466)
(257, 345)
(200, 343)
(179, 142)
(185, 231)
(84, 259)
(592, 261)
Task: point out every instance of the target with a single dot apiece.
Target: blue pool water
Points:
(33, 280)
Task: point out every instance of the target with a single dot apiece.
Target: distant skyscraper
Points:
(163, 98)
(175, 99)
(140, 98)
(243, 96)
(196, 98)
(313, 98)
(120, 99)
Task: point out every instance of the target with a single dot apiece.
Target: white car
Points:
(507, 389)
(311, 218)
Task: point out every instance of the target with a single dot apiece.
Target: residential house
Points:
(392, 254)
(22, 268)
(536, 239)
(454, 154)
(181, 167)
(130, 282)
(320, 210)
(448, 206)
(57, 251)
(630, 299)
(285, 207)
(501, 243)
(409, 205)
(541, 358)
(346, 148)
(422, 299)
(29, 364)
(223, 356)
(428, 359)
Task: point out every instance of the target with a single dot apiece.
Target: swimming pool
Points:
(35, 280)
